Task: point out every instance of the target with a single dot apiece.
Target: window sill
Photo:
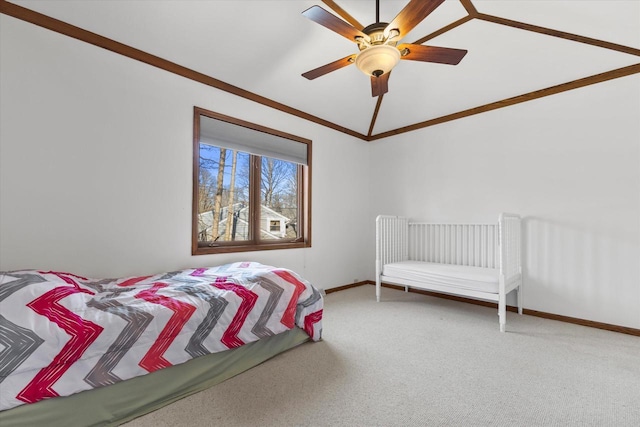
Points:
(223, 249)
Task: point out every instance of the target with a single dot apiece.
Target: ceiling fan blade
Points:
(335, 65)
(412, 14)
(380, 85)
(332, 22)
(343, 14)
(440, 55)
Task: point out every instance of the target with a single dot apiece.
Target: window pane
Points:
(223, 200)
(279, 199)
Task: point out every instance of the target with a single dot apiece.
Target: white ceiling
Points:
(264, 47)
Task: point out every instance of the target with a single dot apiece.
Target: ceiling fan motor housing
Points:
(377, 36)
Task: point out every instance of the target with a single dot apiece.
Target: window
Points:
(251, 186)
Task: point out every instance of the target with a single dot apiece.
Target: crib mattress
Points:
(458, 276)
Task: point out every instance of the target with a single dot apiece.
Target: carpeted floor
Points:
(414, 360)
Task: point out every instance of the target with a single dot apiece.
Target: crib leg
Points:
(378, 289)
(406, 289)
(519, 291)
(502, 313)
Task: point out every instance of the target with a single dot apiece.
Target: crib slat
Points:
(463, 244)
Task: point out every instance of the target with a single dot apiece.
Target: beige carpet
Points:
(414, 360)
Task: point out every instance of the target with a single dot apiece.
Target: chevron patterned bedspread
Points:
(61, 333)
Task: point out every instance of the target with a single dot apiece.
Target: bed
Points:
(481, 261)
(80, 351)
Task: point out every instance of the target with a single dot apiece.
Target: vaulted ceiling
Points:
(518, 51)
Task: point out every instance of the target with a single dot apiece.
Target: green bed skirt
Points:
(126, 400)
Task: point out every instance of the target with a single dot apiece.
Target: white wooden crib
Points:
(480, 261)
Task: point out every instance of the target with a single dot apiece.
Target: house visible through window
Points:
(251, 186)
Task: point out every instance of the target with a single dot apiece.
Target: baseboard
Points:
(352, 285)
(536, 313)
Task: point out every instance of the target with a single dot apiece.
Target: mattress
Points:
(457, 276)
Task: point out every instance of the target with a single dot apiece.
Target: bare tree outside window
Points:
(278, 194)
(220, 201)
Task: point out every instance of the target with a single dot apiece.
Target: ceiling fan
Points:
(378, 42)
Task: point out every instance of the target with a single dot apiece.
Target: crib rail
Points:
(510, 235)
(391, 239)
(474, 245)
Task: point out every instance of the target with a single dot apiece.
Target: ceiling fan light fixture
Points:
(377, 60)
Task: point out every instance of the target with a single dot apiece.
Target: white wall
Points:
(569, 164)
(95, 177)
(95, 166)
